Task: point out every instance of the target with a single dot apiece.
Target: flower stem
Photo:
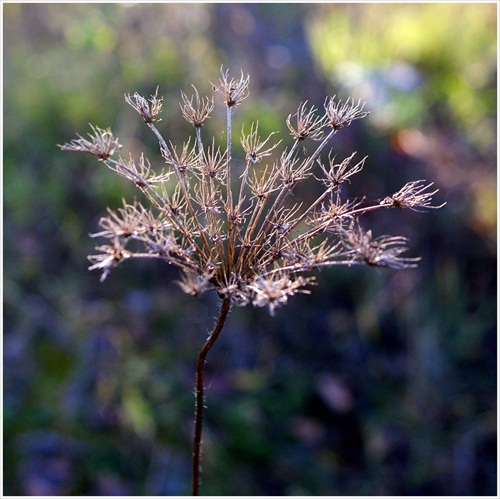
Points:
(200, 368)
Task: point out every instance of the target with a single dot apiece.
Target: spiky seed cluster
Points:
(413, 196)
(343, 114)
(109, 257)
(255, 248)
(254, 147)
(335, 174)
(148, 111)
(234, 90)
(308, 124)
(100, 143)
(383, 251)
(198, 112)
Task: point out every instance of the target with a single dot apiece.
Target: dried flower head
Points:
(138, 171)
(253, 244)
(184, 161)
(101, 144)
(234, 90)
(148, 113)
(254, 147)
(123, 223)
(198, 112)
(193, 283)
(335, 174)
(343, 114)
(109, 257)
(383, 251)
(413, 196)
(275, 290)
(308, 124)
(255, 248)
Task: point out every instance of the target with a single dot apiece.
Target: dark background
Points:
(378, 383)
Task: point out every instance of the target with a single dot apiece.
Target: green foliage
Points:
(457, 59)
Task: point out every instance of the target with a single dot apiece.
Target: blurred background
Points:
(378, 383)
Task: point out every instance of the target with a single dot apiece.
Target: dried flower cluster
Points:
(247, 242)
(251, 241)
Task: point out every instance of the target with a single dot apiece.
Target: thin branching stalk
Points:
(229, 196)
(181, 183)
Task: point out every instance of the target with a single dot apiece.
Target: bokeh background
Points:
(378, 383)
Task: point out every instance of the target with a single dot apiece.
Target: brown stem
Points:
(198, 414)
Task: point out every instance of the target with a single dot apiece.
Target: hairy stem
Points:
(200, 368)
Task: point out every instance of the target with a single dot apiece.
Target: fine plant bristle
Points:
(245, 236)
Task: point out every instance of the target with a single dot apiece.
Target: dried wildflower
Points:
(341, 115)
(234, 90)
(232, 287)
(151, 223)
(383, 251)
(292, 171)
(196, 113)
(101, 144)
(186, 161)
(193, 283)
(331, 216)
(255, 248)
(213, 162)
(110, 257)
(261, 185)
(125, 223)
(275, 290)
(137, 171)
(253, 146)
(148, 113)
(166, 246)
(308, 124)
(413, 196)
(208, 200)
(338, 173)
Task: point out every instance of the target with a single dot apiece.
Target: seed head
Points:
(235, 91)
(383, 251)
(148, 113)
(109, 257)
(193, 283)
(260, 246)
(335, 174)
(308, 124)
(101, 143)
(198, 112)
(343, 114)
(275, 290)
(254, 147)
(413, 196)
